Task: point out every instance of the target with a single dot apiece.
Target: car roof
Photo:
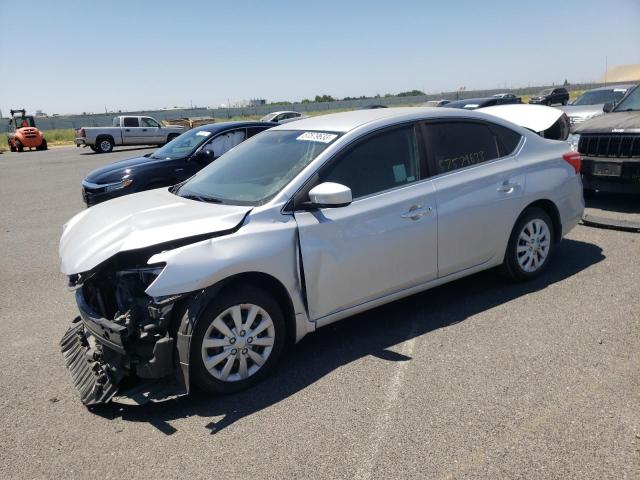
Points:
(613, 87)
(281, 111)
(466, 101)
(219, 127)
(347, 121)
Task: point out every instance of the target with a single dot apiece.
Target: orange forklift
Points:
(23, 132)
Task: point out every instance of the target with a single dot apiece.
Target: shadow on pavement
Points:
(612, 202)
(117, 150)
(369, 333)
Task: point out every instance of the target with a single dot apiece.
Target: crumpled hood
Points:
(622, 122)
(583, 110)
(137, 221)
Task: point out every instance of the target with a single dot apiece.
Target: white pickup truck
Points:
(126, 130)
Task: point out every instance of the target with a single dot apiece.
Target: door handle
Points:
(416, 212)
(144, 129)
(127, 130)
(508, 187)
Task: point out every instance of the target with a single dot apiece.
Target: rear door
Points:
(479, 187)
(132, 131)
(385, 240)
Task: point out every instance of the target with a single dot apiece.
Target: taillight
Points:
(574, 159)
(82, 133)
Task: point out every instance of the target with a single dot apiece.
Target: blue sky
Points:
(82, 55)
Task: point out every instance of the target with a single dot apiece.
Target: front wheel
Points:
(237, 340)
(43, 145)
(530, 247)
(19, 146)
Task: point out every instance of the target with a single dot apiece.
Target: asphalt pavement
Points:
(479, 378)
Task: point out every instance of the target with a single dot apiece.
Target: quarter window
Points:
(385, 161)
(455, 145)
(508, 140)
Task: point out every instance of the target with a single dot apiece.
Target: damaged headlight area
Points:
(122, 346)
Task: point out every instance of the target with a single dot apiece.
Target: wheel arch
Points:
(551, 209)
(105, 136)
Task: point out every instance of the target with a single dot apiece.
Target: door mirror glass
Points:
(329, 194)
(607, 107)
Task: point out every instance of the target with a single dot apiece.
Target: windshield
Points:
(24, 121)
(596, 97)
(256, 170)
(545, 92)
(183, 145)
(631, 103)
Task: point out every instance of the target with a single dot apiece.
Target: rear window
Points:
(130, 122)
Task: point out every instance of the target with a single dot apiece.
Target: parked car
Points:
(369, 107)
(473, 103)
(591, 103)
(282, 117)
(548, 122)
(505, 95)
(178, 160)
(436, 103)
(303, 225)
(551, 96)
(126, 130)
(610, 146)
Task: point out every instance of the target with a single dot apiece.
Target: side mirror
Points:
(608, 107)
(204, 155)
(329, 194)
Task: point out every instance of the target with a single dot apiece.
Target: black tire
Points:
(227, 298)
(104, 145)
(12, 147)
(19, 146)
(43, 145)
(564, 102)
(511, 267)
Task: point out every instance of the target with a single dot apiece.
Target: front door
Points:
(385, 240)
(132, 131)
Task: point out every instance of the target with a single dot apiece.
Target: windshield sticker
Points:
(317, 137)
(471, 105)
(619, 89)
(203, 134)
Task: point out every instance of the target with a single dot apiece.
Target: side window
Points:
(455, 145)
(508, 140)
(149, 122)
(251, 131)
(130, 122)
(226, 141)
(386, 160)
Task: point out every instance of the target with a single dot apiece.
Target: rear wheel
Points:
(237, 341)
(104, 145)
(19, 146)
(12, 147)
(43, 145)
(531, 245)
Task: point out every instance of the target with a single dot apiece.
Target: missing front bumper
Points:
(91, 377)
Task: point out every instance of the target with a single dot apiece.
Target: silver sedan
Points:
(298, 227)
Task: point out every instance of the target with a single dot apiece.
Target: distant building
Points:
(40, 113)
(254, 102)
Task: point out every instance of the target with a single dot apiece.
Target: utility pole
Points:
(606, 67)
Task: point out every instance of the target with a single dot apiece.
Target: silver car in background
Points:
(300, 226)
(594, 103)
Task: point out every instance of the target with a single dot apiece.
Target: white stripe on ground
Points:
(386, 413)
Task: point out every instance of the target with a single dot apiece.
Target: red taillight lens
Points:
(574, 159)
(82, 133)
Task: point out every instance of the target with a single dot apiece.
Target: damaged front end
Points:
(122, 346)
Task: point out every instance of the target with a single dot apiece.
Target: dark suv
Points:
(610, 147)
(551, 96)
